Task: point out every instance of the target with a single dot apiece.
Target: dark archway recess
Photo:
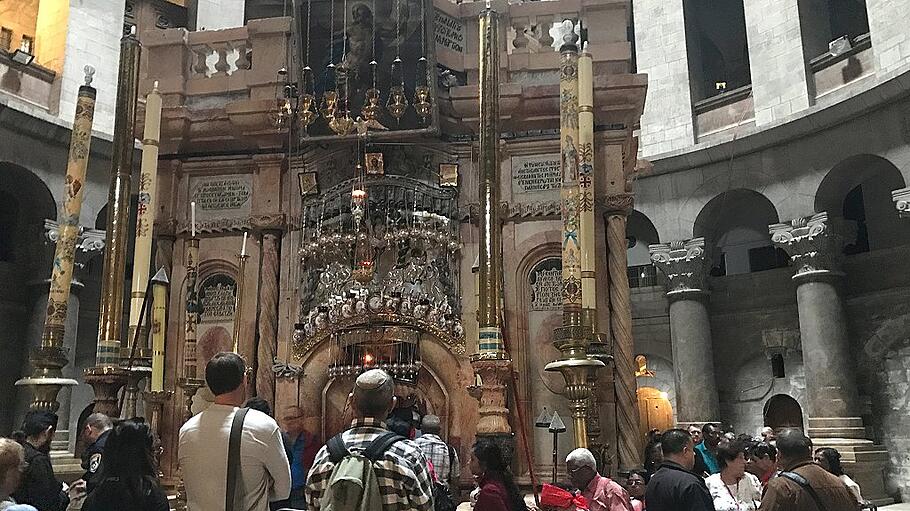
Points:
(782, 411)
(640, 232)
(857, 191)
(735, 227)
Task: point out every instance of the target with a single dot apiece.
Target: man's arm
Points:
(276, 463)
(616, 499)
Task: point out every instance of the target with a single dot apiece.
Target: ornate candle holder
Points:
(305, 114)
(189, 386)
(422, 101)
(282, 115)
(371, 107)
(398, 101)
(329, 105)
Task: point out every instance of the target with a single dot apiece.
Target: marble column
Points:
(272, 228)
(834, 408)
(686, 266)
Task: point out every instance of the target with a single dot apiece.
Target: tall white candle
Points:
(243, 248)
(193, 218)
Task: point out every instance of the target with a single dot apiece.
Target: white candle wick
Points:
(243, 248)
(193, 218)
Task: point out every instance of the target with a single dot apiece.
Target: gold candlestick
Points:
(48, 360)
(238, 300)
(491, 362)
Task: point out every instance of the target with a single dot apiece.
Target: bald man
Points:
(401, 471)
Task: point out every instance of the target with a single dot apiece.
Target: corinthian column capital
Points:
(901, 198)
(813, 244)
(685, 263)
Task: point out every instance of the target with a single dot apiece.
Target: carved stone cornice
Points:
(780, 341)
(901, 198)
(89, 243)
(272, 222)
(812, 244)
(617, 204)
(685, 263)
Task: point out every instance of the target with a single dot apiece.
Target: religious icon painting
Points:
(448, 174)
(308, 184)
(375, 165)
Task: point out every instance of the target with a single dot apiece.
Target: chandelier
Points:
(393, 348)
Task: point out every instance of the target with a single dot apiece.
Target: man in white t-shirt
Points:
(264, 474)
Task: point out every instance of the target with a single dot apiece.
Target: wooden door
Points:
(654, 411)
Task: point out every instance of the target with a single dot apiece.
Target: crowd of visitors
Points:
(234, 456)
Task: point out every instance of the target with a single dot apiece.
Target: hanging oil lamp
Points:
(283, 112)
(342, 123)
(398, 100)
(305, 112)
(363, 251)
(421, 89)
(329, 95)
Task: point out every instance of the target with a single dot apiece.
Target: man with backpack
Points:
(445, 463)
(367, 467)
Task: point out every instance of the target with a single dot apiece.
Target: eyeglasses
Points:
(576, 469)
(635, 482)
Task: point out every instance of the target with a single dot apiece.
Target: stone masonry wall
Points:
(93, 38)
(888, 28)
(218, 14)
(776, 59)
(893, 408)
(660, 46)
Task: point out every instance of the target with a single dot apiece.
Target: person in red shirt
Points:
(762, 462)
(498, 491)
(602, 493)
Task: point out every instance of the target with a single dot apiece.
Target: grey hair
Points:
(99, 421)
(582, 457)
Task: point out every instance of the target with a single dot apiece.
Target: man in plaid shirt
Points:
(448, 470)
(402, 472)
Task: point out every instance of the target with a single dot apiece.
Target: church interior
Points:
(610, 215)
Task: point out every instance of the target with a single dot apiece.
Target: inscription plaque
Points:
(546, 285)
(449, 32)
(539, 173)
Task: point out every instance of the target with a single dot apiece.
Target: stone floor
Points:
(895, 507)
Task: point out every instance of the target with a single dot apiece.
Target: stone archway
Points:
(782, 411)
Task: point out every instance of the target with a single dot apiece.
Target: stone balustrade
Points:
(217, 84)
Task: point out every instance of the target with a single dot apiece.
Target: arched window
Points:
(640, 233)
(735, 227)
(716, 45)
(858, 191)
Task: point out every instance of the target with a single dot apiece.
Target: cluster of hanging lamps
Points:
(301, 104)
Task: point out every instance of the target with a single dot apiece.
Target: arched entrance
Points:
(782, 411)
(654, 410)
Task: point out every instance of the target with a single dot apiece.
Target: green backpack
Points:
(353, 485)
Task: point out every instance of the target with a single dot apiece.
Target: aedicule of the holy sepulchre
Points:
(433, 254)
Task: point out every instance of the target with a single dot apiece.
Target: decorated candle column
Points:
(50, 358)
(571, 338)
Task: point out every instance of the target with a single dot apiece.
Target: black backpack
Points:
(442, 496)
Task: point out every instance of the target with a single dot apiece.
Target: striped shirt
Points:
(402, 473)
(437, 452)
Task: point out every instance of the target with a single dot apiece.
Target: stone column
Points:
(617, 207)
(272, 228)
(685, 265)
(834, 409)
